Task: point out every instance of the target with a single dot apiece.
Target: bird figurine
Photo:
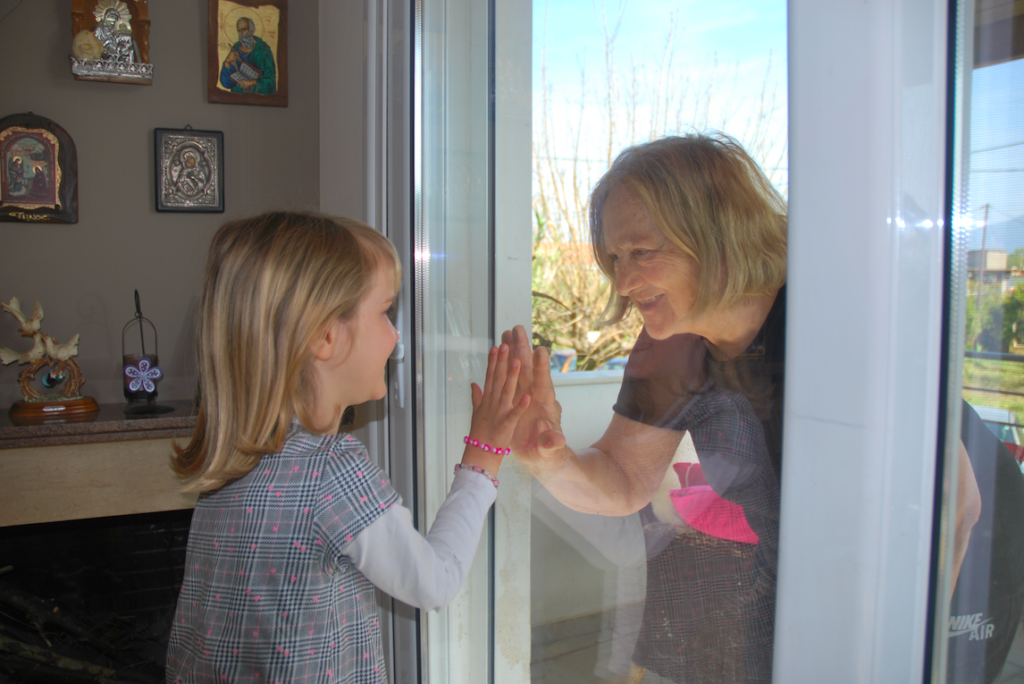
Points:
(34, 354)
(45, 352)
(27, 327)
(61, 352)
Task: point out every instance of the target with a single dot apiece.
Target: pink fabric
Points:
(704, 510)
(690, 474)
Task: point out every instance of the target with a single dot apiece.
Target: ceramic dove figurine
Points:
(45, 352)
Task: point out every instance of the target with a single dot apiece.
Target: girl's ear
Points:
(329, 343)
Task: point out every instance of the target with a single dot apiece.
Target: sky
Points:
(997, 154)
(724, 55)
(721, 52)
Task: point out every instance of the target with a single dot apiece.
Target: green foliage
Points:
(1013, 318)
(984, 324)
(1007, 376)
(569, 296)
(994, 322)
(1015, 261)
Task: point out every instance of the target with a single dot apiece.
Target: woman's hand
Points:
(616, 476)
(497, 409)
(538, 441)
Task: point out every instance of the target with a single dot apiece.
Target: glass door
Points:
(470, 273)
(980, 589)
(656, 586)
(896, 335)
(505, 157)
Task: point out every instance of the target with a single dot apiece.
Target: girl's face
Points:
(366, 342)
(657, 276)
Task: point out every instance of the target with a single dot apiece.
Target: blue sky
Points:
(723, 48)
(720, 66)
(738, 30)
(997, 153)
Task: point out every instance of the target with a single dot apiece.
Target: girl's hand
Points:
(496, 410)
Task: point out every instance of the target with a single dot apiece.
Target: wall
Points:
(84, 274)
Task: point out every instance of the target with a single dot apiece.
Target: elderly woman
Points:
(693, 235)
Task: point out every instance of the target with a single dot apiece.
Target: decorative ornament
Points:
(117, 51)
(117, 9)
(67, 405)
(86, 46)
(141, 372)
(143, 375)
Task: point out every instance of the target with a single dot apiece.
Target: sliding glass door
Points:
(898, 307)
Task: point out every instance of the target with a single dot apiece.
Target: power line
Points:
(999, 147)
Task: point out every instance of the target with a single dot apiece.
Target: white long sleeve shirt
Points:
(426, 572)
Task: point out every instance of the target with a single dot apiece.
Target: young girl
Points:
(295, 525)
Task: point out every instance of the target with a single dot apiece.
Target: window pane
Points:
(984, 569)
(653, 554)
(451, 271)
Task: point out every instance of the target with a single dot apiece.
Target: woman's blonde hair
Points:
(273, 285)
(710, 199)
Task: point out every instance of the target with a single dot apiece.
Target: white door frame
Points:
(864, 338)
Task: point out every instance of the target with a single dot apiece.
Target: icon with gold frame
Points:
(247, 52)
(38, 171)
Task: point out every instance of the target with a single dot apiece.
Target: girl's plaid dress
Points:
(268, 595)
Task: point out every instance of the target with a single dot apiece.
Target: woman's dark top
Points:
(733, 411)
(989, 597)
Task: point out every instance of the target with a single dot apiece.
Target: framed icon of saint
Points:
(38, 171)
(247, 52)
(189, 170)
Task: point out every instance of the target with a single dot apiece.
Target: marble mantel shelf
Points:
(110, 425)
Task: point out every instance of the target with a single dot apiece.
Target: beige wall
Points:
(84, 274)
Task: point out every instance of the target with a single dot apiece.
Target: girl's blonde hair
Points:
(710, 199)
(273, 285)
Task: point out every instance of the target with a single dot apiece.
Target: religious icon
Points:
(248, 52)
(38, 171)
(31, 169)
(189, 170)
(111, 41)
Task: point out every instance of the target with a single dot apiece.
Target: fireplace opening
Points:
(90, 600)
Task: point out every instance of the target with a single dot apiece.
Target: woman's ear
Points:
(328, 344)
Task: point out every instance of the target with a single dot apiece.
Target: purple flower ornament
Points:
(143, 375)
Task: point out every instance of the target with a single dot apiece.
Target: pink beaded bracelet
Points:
(486, 447)
(477, 469)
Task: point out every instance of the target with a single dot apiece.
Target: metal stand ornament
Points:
(141, 372)
(111, 49)
(64, 406)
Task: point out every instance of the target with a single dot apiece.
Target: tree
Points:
(1013, 318)
(568, 317)
(1015, 261)
(984, 324)
(635, 105)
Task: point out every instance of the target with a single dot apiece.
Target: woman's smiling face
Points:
(656, 275)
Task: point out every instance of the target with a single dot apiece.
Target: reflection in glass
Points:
(653, 542)
(986, 588)
(606, 77)
(692, 235)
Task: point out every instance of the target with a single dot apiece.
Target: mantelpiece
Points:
(113, 465)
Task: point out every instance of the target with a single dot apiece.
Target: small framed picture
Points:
(189, 170)
(38, 171)
(247, 52)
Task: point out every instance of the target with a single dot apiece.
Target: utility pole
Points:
(981, 266)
